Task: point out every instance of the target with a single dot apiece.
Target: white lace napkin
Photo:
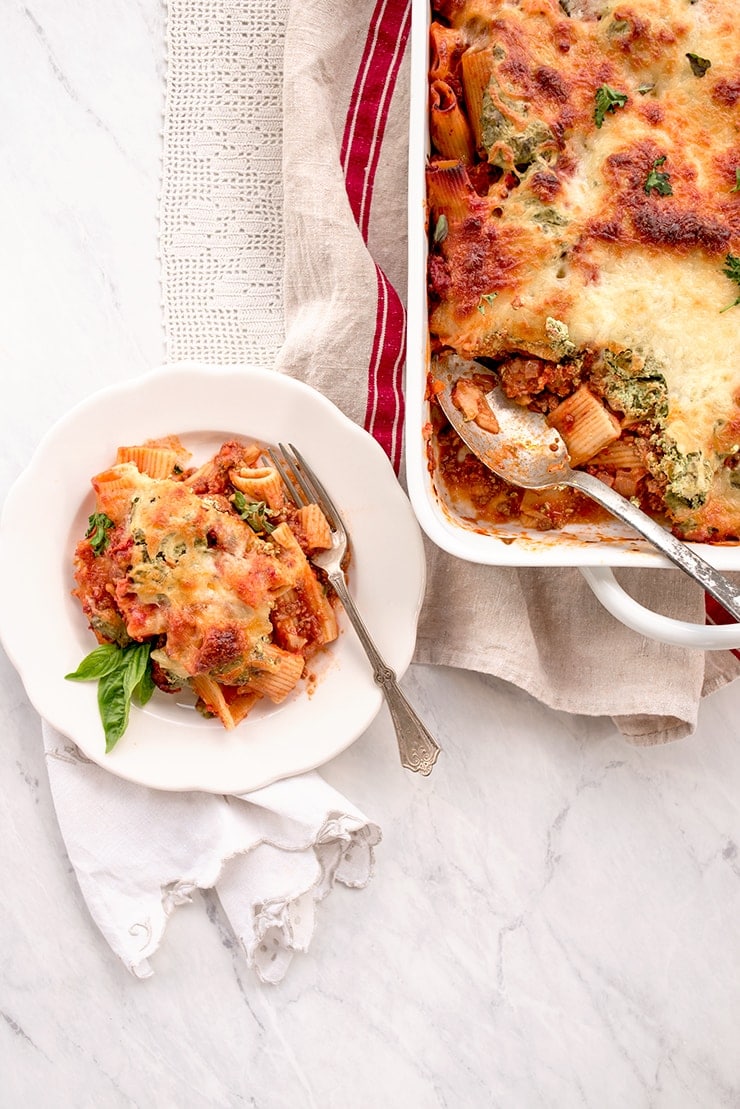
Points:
(221, 231)
(271, 856)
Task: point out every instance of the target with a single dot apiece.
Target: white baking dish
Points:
(595, 549)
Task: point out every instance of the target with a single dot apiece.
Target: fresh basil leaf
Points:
(114, 706)
(136, 664)
(99, 662)
(137, 679)
(145, 688)
(121, 673)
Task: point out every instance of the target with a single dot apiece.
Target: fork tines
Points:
(301, 481)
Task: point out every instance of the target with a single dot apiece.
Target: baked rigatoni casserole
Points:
(583, 193)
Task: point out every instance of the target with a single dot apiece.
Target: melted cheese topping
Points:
(195, 569)
(577, 234)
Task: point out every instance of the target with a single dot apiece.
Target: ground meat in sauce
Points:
(494, 501)
(491, 499)
(526, 377)
(231, 456)
(291, 607)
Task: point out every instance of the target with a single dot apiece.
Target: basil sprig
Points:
(732, 270)
(660, 182)
(122, 673)
(607, 99)
(98, 527)
(254, 513)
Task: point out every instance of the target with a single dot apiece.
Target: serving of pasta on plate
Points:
(198, 577)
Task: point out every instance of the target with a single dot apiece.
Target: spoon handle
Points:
(715, 583)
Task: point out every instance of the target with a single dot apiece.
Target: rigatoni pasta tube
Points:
(114, 490)
(262, 483)
(584, 424)
(449, 127)
(446, 45)
(315, 527)
(475, 68)
(449, 189)
(276, 673)
(309, 587)
(156, 462)
(212, 696)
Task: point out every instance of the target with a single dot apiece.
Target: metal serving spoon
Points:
(528, 453)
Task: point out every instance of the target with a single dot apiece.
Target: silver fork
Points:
(418, 749)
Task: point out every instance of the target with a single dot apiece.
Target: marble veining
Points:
(553, 916)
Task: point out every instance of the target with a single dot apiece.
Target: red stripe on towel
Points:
(370, 103)
(384, 412)
(361, 146)
(715, 614)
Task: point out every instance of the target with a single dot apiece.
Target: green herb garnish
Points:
(98, 526)
(487, 298)
(440, 229)
(736, 186)
(699, 66)
(660, 182)
(122, 673)
(645, 89)
(254, 513)
(732, 270)
(607, 100)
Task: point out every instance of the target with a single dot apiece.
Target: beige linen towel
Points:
(344, 141)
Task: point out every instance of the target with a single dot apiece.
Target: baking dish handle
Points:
(679, 633)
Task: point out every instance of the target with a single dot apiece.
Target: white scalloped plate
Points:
(168, 745)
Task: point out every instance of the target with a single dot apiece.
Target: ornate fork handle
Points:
(418, 749)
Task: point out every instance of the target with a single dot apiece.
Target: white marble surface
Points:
(553, 918)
